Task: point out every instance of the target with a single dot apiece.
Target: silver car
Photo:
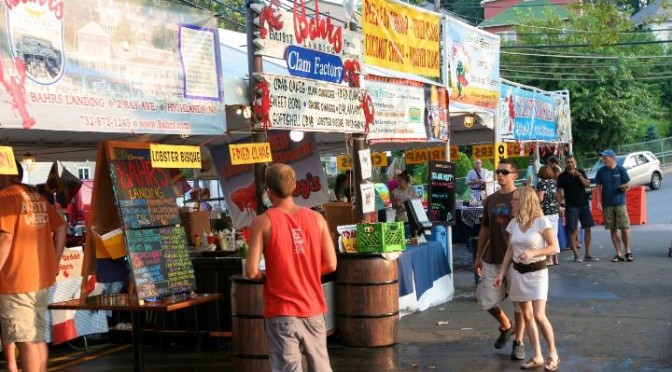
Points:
(643, 168)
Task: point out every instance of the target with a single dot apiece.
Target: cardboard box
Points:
(195, 223)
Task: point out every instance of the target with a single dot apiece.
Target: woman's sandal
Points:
(552, 365)
(531, 364)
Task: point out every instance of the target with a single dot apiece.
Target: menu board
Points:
(160, 262)
(441, 191)
(145, 195)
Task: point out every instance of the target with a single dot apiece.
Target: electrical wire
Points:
(544, 46)
(585, 56)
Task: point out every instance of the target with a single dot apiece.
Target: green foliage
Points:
(612, 98)
(230, 13)
(470, 10)
(463, 165)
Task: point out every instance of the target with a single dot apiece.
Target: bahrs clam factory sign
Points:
(280, 28)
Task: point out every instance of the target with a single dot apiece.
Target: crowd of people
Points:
(518, 240)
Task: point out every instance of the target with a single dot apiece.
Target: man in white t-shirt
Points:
(476, 179)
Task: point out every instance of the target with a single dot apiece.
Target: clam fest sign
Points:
(66, 64)
(321, 58)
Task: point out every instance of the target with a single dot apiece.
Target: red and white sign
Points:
(279, 28)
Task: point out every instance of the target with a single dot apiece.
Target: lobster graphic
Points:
(351, 69)
(269, 16)
(243, 198)
(367, 106)
(262, 105)
(16, 89)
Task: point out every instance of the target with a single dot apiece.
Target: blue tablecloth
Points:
(421, 265)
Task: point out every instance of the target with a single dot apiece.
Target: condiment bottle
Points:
(197, 240)
(204, 238)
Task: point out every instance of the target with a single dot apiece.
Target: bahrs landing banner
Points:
(109, 66)
(238, 180)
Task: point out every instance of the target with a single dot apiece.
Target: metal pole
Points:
(254, 66)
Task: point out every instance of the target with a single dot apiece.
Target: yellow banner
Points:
(250, 153)
(401, 37)
(7, 163)
(175, 156)
(454, 153)
(419, 156)
(483, 151)
(378, 159)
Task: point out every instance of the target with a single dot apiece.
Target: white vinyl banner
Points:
(400, 112)
(309, 105)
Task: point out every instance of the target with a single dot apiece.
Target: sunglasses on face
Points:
(503, 172)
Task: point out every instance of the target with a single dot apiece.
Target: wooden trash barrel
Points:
(367, 300)
(250, 349)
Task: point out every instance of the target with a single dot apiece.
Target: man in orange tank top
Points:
(32, 238)
(297, 250)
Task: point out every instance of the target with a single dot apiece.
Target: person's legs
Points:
(532, 334)
(573, 226)
(284, 349)
(31, 355)
(314, 342)
(587, 222)
(587, 236)
(545, 326)
(10, 357)
(625, 236)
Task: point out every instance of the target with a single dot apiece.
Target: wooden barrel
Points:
(367, 300)
(250, 349)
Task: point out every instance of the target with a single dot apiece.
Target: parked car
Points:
(643, 168)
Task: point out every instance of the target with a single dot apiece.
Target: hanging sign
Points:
(63, 64)
(401, 37)
(526, 115)
(175, 156)
(310, 64)
(378, 160)
(483, 151)
(7, 162)
(250, 153)
(454, 153)
(308, 105)
(421, 156)
(279, 29)
(474, 64)
(407, 111)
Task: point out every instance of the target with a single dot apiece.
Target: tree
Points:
(470, 10)
(613, 93)
(231, 13)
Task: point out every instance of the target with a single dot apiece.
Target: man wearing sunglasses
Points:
(492, 244)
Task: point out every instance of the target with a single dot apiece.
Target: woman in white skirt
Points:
(531, 240)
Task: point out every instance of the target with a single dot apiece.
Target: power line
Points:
(542, 46)
(527, 78)
(568, 56)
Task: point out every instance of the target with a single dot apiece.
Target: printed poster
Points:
(407, 111)
(365, 163)
(526, 115)
(238, 180)
(401, 37)
(133, 70)
(474, 65)
(368, 197)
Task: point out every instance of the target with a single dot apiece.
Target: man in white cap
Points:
(612, 182)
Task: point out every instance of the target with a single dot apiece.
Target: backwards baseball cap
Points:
(610, 153)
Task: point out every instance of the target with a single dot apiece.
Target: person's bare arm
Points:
(5, 247)
(483, 236)
(598, 196)
(328, 264)
(260, 226)
(60, 234)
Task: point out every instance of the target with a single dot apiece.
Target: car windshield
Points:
(598, 164)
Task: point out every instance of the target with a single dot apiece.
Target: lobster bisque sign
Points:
(279, 28)
(7, 163)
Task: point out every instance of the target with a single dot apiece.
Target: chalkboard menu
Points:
(156, 246)
(145, 196)
(160, 261)
(441, 191)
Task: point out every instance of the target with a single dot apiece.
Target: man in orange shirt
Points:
(297, 250)
(32, 239)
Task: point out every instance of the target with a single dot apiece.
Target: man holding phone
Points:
(612, 182)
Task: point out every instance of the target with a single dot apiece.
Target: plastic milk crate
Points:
(380, 237)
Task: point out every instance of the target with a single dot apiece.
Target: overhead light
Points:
(28, 159)
(184, 135)
(295, 135)
(239, 111)
(247, 112)
(469, 120)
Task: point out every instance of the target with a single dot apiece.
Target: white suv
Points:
(643, 168)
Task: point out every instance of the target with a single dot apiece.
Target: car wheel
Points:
(656, 181)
